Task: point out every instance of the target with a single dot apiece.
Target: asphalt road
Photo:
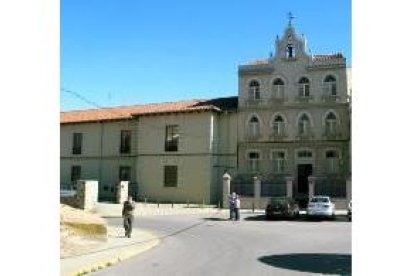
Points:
(210, 245)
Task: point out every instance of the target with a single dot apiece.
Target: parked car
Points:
(282, 207)
(321, 206)
(349, 215)
(67, 190)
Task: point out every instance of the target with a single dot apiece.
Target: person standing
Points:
(237, 207)
(232, 201)
(128, 215)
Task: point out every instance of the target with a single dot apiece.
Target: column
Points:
(86, 193)
(122, 191)
(256, 185)
(289, 186)
(311, 181)
(226, 189)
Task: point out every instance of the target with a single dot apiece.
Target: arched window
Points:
(254, 90)
(254, 127)
(304, 87)
(278, 88)
(278, 126)
(329, 86)
(304, 125)
(330, 124)
(332, 161)
(290, 51)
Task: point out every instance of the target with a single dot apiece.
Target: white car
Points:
(321, 206)
(67, 190)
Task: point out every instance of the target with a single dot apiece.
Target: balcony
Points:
(304, 99)
(305, 136)
(331, 135)
(278, 135)
(255, 102)
(330, 98)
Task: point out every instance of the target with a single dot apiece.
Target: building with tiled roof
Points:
(286, 133)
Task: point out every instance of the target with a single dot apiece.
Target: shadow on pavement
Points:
(313, 263)
(216, 219)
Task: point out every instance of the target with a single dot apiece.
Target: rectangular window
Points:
(254, 129)
(125, 141)
(278, 129)
(304, 90)
(75, 173)
(331, 127)
(253, 161)
(171, 138)
(170, 176)
(278, 91)
(279, 161)
(77, 143)
(333, 165)
(124, 173)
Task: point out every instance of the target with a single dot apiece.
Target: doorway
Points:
(304, 171)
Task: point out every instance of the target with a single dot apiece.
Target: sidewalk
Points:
(151, 209)
(116, 249)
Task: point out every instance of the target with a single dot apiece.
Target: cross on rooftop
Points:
(290, 17)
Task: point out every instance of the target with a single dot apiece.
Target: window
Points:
(77, 143)
(254, 90)
(171, 138)
(304, 125)
(253, 161)
(125, 141)
(279, 161)
(278, 89)
(305, 154)
(290, 51)
(332, 159)
(330, 124)
(124, 173)
(170, 176)
(75, 173)
(278, 126)
(304, 87)
(329, 86)
(254, 127)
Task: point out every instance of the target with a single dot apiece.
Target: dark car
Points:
(282, 207)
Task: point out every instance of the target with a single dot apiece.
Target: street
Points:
(212, 245)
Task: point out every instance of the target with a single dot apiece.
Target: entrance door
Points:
(304, 170)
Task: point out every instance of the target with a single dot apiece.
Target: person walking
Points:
(237, 207)
(128, 215)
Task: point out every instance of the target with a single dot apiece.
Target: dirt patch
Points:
(80, 232)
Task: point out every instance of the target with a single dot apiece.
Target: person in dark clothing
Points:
(128, 215)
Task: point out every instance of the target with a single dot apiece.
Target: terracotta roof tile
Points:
(125, 112)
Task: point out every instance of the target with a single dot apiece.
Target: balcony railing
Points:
(273, 189)
(304, 99)
(330, 186)
(330, 98)
(305, 136)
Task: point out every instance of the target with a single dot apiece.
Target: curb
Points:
(117, 257)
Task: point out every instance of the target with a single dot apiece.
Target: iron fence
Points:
(333, 187)
(273, 189)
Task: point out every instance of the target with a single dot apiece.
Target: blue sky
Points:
(124, 52)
